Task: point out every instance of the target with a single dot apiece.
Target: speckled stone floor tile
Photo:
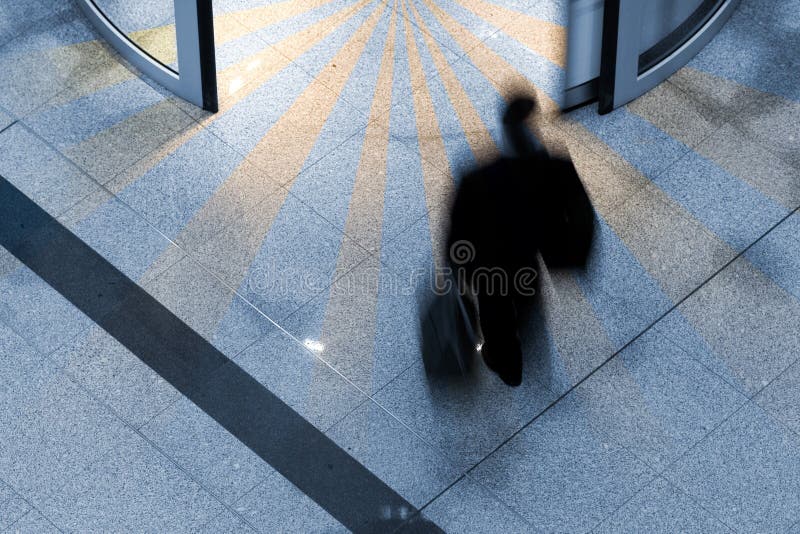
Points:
(298, 230)
(468, 507)
(560, 474)
(661, 507)
(745, 472)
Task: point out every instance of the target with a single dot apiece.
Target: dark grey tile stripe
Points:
(295, 448)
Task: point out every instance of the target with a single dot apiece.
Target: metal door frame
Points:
(625, 74)
(196, 79)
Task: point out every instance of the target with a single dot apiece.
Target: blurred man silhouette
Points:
(505, 213)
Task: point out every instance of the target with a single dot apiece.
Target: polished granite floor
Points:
(293, 230)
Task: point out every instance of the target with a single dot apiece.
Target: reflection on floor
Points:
(290, 230)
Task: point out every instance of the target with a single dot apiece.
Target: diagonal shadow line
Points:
(295, 448)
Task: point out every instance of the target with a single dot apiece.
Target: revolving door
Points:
(170, 41)
(620, 49)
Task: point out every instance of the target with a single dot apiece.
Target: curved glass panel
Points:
(150, 24)
(620, 49)
(633, 62)
(171, 41)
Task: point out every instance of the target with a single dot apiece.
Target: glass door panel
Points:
(150, 24)
(171, 41)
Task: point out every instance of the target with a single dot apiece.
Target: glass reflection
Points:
(148, 23)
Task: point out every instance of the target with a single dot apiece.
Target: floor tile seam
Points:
(32, 508)
(369, 396)
(113, 195)
(9, 126)
(262, 480)
(287, 184)
(18, 520)
(278, 326)
(426, 28)
(674, 487)
(496, 29)
(307, 167)
(368, 114)
(740, 128)
(29, 24)
(726, 117)
(690, 352)
(566, 393)
(180, 397)
(325, 430)
(774, 417)
(670, 199)
(82, 172)
(393, 268)
(754, 104)
(428, 71)
(707, 113)
(748, 402)
(63, 88)
(739, 255)
(15, 494)
(373, 254)
(670, 466)
(110, 410)
(715, 128)
(345, 10)
(350, 12)
(40, 354)
(122, 201)
(286, 333)
(174, 102)
(320, 293)
(245, 158)
(316, 78)
(660, 473)
(412, 143)
(778, 377)
(440, 453)
(766, 147)
(501, 29)
(661, 470)
(17, 32)
(135, 73)
(596, 369)
(639, 491)
(497, 497)
(700, 505)
(652, 178)
(7, 112)
(420, 511)
(735, 120)
(380, 390)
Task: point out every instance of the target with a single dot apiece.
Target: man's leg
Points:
(501, 349)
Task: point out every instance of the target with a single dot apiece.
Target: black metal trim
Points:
(608, 57)
(580, 95)
(666, 46)
(124, 34)
(208, 61)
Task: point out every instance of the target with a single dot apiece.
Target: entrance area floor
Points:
(295, 229)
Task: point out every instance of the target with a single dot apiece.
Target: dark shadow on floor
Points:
(280, 436)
